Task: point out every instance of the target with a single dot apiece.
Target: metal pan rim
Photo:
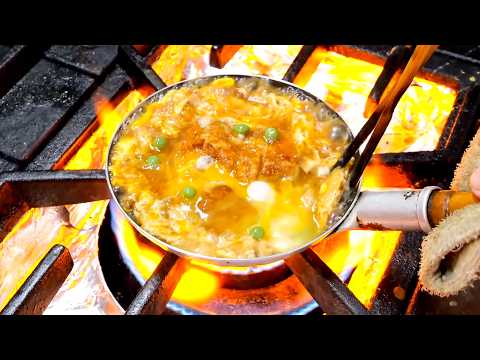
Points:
(241, 262)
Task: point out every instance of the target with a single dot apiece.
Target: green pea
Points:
(241, 129)
(152, 162)
(189, 192)
(257, 232)
(271, 135)
(160, 143)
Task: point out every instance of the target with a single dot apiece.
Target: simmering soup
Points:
(231, 168)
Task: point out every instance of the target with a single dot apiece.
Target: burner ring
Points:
(274, 290)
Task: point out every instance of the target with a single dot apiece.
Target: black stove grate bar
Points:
(45, 188)
(300, 60)
(38, 290)
(24, 300)
(16, 63)
(153, 297)
(60, 147)
(221, 54)
(328, 290)
(459, 56)
(459, 127)
(93, 60)
(215, 56)
(400, 277)
(81, 124)
(143, 50)
(139, 67)
(56, 90)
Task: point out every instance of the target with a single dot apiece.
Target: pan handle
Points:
(53, 188)
(405, 209)
(400, 209)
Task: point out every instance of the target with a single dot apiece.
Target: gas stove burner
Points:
(268, 289)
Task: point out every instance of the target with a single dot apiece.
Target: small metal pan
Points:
(342, 211)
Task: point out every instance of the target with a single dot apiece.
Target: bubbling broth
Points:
(231, 168)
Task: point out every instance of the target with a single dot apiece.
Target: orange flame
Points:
(378, 175)
(196, 286)
(90, 154)
(93, 152)
(180, 62)
(366, 253)
(344, 83)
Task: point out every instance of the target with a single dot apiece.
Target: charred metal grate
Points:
(76, 75)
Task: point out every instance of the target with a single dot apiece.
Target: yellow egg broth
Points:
(219, 224)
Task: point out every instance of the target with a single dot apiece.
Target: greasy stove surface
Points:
(49, 101)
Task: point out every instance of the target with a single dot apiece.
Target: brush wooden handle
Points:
(443, 203)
